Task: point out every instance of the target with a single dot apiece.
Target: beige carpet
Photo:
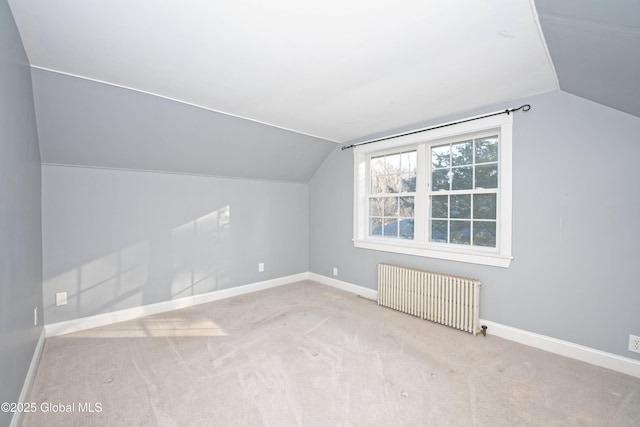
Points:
(310, 355)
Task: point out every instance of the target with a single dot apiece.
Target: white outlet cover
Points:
(61, 298)
(634, 343)
(335, 271)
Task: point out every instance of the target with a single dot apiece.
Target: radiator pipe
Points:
(484, 330)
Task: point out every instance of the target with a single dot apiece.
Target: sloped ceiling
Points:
(595, 47)
(313, 72)
(81, 122)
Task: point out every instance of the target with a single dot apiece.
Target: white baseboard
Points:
(89, 322)
(28, 381)
(345, 286)
(565, 348)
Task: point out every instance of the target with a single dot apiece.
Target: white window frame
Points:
(500, 256)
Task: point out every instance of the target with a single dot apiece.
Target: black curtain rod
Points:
(525, 107)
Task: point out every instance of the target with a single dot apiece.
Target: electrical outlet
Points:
(261, 267)
(335, 271)
(634, 343)
(35, 316)
(61, 298)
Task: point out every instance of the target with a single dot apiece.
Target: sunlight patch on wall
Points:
(111, 282)
(200, 254)
(122, 274)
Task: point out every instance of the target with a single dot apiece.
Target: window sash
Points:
(471, 219)
(378, 225)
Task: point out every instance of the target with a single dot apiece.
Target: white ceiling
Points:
(334, 69)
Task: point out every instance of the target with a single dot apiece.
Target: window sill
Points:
(490, 259)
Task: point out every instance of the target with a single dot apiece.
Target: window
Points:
(444, 193)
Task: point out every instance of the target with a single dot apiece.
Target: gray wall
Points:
(83, 122)
(116, 239)
(594, 48)
(576, 239)
(20, 224)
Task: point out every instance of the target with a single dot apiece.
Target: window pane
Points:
(487, 149)
(484, 206)
(377, 184)
(376, 207)
(484, 233)
(408, 183)
(406, 229)
(391, 206)
(406, 207)
(393, 184)
(440, 206)
(392, 164)
(440, 156)
(487, 176)
(460, 232)
(439, 231)
(408, 162)
(440, 179)
(390, 227)
(462, 178)
(377, 165)
(460, 206)
(375, 226)
(462, 153)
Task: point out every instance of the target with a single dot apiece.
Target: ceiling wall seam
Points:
(536, 17)
(180, 102)
(202, 175)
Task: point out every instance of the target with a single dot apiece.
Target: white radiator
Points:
(450, 300)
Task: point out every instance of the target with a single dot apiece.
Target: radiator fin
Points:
(442, 298)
